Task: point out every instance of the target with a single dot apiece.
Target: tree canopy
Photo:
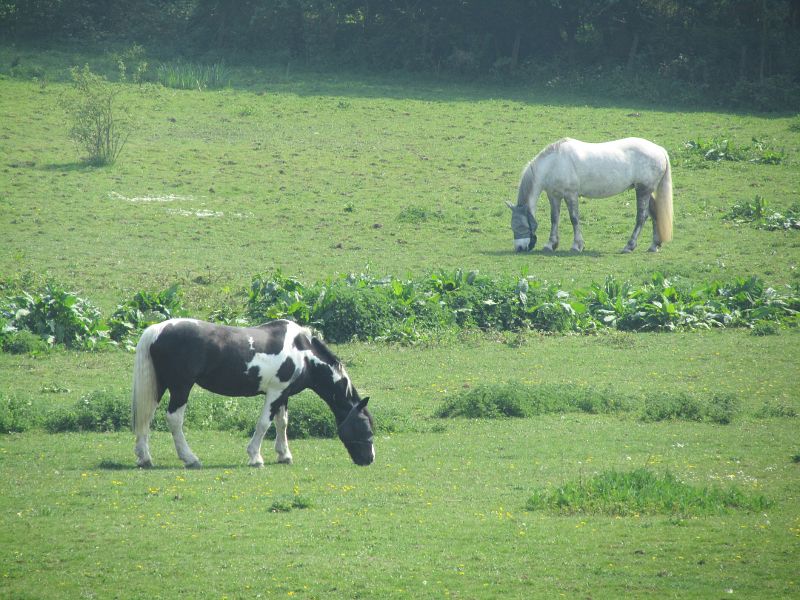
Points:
(703, 43)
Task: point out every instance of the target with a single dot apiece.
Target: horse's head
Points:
(356, 434)
(524, 226)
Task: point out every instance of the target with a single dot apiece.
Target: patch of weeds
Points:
(796, 458)
(418, 214)
(718, 408)
(97, 411)
(757, 213)
(285, 506)
(642, 491)
(724, 149)
(519, 400)
(761, 328)
(776, 410)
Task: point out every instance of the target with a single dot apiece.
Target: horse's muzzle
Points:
(525, 244)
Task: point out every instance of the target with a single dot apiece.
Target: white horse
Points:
(569, 168)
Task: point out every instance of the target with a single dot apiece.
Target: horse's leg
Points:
(643, 196)
(281, 421)
(178, 396)
(555, 215)
(254, 447)
(574, 217)
(656, 245)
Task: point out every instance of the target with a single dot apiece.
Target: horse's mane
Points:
(551, 149)
(526, 182)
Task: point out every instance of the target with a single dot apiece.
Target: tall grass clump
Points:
(520, 400)
(716, 408)
(642, 491)
(99, 126)
(193, 76)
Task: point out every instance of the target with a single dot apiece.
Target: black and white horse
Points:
(277, 359)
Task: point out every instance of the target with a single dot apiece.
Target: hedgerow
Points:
(362, 307)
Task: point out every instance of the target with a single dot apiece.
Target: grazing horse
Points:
(569, 168)
(277, 359)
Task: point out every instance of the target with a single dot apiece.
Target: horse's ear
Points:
(363, 404)
(509, 205)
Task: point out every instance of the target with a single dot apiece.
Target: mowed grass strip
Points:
(642, 491)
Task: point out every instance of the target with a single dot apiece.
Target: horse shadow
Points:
(111, 465)
(556, 253)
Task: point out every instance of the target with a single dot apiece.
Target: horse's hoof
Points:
(147, 464)
(256, 465)
(286, 460)
(195, 465)
(547, 249)
(577, 249)
(626, 250)
(654, 248)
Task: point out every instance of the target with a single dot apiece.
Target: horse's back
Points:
(603, 169)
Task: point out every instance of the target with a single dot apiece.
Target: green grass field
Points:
(320, 175)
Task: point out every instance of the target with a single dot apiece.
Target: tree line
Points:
(753, 44)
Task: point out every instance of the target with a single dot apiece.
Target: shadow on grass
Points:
(74, 167)
(557, 253)
(112, 465)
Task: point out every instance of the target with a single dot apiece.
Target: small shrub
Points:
(776, 410)
(17, 415)
(22, 342)
(98, 411)
(762, 328)
(98, 125)
(719, 408)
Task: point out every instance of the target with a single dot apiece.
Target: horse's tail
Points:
(663, 204)
(145, 384)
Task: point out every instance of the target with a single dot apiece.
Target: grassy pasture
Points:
(329, 175)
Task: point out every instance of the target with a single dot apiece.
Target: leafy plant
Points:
(723, 149)
(58, 316)
(145, 308)
(98, 125)
(757, 213)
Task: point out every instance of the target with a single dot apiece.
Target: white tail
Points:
(145, 384)
(663, 205)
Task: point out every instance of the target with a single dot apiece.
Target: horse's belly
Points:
(604, 189)
(242, 383)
